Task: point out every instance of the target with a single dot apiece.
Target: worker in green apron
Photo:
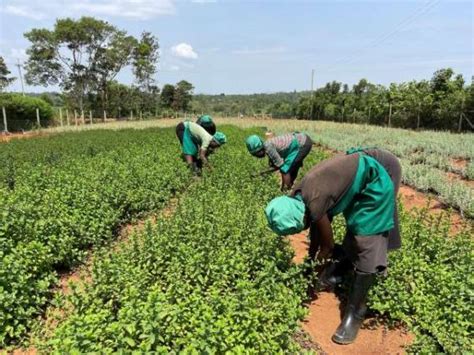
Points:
(362, 185)
(206, 122)
(285, 153)
(197, 144)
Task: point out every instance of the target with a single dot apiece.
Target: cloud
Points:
(259, 51)
(138, 9)
(22, 11)
(174, 68)
(204, 1)
(184, 50)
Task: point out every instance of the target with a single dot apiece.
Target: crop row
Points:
(211, 278)
(63, 194)
(424, 155)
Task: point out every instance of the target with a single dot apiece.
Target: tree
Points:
(183, 95)
(167, 96)
(4, 72)
(145, 59)
(111, 60)
(76, 55)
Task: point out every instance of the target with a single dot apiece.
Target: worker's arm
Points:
(321, 239)
(286, 181)
(203, 157)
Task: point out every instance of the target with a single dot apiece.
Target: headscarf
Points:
(254, 144)
(205, 120)
(220, 138)
(285, 215)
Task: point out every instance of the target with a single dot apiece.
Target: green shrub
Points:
(21, 112)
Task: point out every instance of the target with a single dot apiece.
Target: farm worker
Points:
(206, 122)
(285, 153)
(362, 185)
(197, 144)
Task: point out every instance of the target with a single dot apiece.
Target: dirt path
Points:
(325, 315)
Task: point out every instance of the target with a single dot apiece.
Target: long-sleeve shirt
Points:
(275, 147)
(199, 135)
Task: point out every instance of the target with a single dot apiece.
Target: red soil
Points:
(458, 163)
(412, 199)
(325, 315)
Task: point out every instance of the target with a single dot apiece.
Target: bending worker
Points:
(285, 153)
(197, 144)
(206, 122)
(362, 185)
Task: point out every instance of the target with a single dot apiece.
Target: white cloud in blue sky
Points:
(184, 50)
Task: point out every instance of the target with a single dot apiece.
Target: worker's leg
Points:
(371, 260)
(298, 162)
(339, 266)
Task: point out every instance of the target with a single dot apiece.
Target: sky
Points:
(250, 46)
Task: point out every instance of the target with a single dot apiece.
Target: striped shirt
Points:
(276, 146)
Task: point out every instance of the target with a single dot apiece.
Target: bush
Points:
(21, 112)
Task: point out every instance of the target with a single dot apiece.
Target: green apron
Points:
(369, 204)
(290, 155)
(189, 146)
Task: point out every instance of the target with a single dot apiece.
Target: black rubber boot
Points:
(333, 274)
(355, 310)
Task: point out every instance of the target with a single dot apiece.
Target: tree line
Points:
(443, 102)
(83, 58)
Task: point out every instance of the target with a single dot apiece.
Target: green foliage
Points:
(5, 80)
(62, 194)
(21, 111)
(84, 55)
(435, 104)
(430, 286)
(145, 58)
(212, 278)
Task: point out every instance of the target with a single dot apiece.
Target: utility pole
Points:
(312, 90)
(21, 77)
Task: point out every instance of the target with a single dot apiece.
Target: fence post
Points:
(418, 117)
(38, 117)
(75, 118)
(460, 122)
(105, 116)
(61, 116)
(67, 117)
(390, 115)
(90, 117)
(5, 126)
(131, 115)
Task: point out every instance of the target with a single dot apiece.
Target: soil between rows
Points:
(325, 315)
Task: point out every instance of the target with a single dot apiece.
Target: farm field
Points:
(438, 163)
(210, 277)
